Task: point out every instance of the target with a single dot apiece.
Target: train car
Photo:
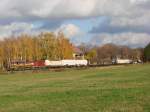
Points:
(39, 63)
(62, 63)
(123, 61)
(21, 64)
(74, 62)
(53, 63)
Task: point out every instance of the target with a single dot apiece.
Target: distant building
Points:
(77, 53)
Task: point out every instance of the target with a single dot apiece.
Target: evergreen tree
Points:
(147, 52)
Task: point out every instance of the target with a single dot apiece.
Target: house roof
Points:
(77, 50)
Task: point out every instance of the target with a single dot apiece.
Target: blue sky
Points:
(97, 22)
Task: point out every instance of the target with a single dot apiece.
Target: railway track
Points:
(59, 68)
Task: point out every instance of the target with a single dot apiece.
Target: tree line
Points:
(30, 48)
(106, 53)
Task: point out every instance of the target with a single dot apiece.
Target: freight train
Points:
(23, 65)
(30, 65)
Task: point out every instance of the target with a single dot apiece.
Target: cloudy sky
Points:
(123, 22)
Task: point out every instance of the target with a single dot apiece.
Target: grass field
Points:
(110, 89)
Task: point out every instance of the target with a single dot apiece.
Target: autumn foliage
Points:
(30, 48)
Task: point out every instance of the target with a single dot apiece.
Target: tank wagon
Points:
(122, 61)
(66, 63)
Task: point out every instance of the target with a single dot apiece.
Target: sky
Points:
(96, 22)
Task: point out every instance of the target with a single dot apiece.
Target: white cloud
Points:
(67, 8)
(123, 13)
(15, 28)
(138, 1)
(70, 30)
(129, 39)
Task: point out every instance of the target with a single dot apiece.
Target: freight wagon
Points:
(122, 61)
(66, 63)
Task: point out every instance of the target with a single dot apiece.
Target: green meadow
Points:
(101, 89)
